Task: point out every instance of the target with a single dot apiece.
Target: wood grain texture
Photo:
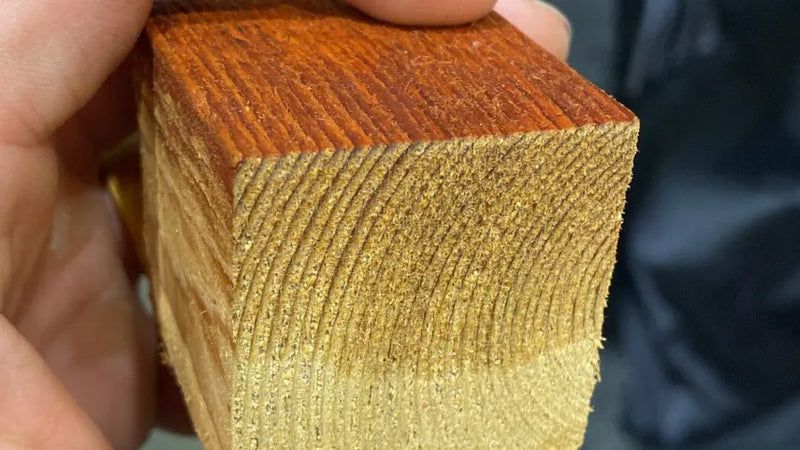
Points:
(363, 235)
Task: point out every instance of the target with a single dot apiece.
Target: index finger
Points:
(425, 12)
(539, 20)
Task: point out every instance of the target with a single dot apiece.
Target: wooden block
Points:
(362, 235)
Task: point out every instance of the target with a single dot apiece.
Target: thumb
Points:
(54, 55)
(45, 415)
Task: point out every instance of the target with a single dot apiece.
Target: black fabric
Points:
(708, 281)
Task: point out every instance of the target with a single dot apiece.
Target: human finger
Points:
(55, 55)
(425, 12)
(541, 21)
(37, 411)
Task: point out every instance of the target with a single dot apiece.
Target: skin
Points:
(78, 357)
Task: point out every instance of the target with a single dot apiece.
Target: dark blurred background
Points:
(703, 322)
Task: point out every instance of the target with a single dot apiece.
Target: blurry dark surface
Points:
(593, 50)
(706, 298)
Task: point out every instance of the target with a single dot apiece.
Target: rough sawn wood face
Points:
(362, 235)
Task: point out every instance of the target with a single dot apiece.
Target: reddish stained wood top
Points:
(265, 78)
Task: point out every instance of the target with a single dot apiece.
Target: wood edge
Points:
(249, 160)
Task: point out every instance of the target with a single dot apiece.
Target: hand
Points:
(78, 356)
